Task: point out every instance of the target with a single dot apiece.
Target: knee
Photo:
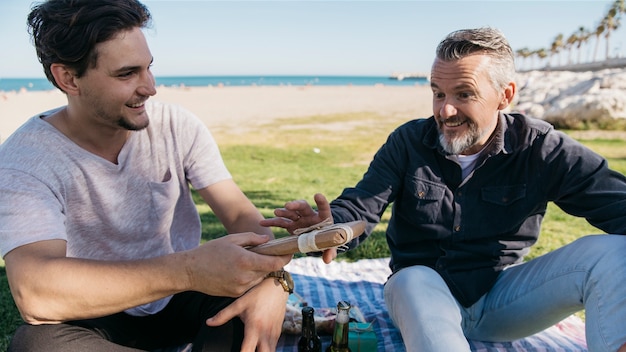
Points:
(603, 242)
(49, 338)
(415, 286)
(601, 257)
(605, 248)
(31, 338)
(420, 303)
(416, 278)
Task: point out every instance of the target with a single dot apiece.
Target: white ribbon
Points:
(306, 241)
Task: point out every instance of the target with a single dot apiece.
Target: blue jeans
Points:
(589, 273)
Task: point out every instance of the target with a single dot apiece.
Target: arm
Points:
(263, 322)
(235, 211)
(581, 183)
(369, 199)
(49, 287)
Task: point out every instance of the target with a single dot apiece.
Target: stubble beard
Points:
(127, 125)
(120, 120)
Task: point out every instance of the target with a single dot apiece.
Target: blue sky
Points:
(318, 37)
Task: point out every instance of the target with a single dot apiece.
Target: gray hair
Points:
(487, 41)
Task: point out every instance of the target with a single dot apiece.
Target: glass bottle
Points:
(309, 341)
(340, 334)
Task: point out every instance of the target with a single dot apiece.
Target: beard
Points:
(121, 121)
(455, 144)
(111, 117)
(129, 126)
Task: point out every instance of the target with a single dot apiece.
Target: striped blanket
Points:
(361, 283)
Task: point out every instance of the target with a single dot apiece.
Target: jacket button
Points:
(457, 228)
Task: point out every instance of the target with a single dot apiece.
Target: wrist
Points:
(283, 279)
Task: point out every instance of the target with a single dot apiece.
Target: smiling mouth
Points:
(136, 105)
(454, 122)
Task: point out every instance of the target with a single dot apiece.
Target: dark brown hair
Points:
(67, 31)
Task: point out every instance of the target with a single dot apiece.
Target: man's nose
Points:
(148, 84)
(446, 110)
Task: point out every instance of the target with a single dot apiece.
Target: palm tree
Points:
(541, 54)
(599, 30)
(523, 53)
(583, 37)
(620, 7)
(555, 48)
(609, 23)
(612, 23)
(569, 45)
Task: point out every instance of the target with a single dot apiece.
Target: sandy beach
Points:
(234, 107)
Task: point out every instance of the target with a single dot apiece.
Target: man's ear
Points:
(65, 78)
(509, 94)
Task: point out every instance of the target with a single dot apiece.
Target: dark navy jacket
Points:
(468, 231)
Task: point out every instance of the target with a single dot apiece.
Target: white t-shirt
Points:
(468, 163)
(50, 188)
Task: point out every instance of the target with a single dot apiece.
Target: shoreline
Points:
(232, 107)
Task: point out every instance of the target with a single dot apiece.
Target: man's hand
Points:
(299, 214)
(262, 310)
(223, 267)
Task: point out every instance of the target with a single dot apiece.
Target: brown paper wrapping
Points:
(324, 239)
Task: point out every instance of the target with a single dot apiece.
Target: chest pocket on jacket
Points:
(425, 201)
(503, 195)
(502, 210)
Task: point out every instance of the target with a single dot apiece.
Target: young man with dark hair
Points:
(98, 229)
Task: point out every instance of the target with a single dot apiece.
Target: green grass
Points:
(9, 317)
(277, 162)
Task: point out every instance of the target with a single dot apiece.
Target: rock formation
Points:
(572, 99)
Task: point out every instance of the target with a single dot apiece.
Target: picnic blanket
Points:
(361, 283)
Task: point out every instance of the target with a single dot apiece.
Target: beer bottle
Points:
(309, 341)
(340, 334)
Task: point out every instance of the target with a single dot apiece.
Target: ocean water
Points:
(16, 84)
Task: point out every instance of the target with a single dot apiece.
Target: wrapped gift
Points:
(362, 337)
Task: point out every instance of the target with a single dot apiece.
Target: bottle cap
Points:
(342, 312)
(343, 305)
